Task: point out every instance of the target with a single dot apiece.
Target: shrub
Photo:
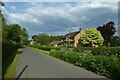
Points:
(47, 48)
(44, 48)
(100, 64)
(100, 50)
(54, 53)
(9, 50)
(106, 51)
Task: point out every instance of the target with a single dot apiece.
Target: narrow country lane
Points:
(38, 65)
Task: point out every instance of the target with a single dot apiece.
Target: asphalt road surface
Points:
(33, 64)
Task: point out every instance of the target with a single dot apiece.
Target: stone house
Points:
(72, 38)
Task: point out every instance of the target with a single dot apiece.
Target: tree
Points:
(24, 36)
(14, 32)
(34, 37)
(43, 39)
(91, 37)
(2, 20)
(115, 41)
(56, 38)
(2, 4)
(107, 31)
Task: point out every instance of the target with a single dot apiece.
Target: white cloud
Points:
(68, 17)
(59, 0)
(22, 18)
(13, 7)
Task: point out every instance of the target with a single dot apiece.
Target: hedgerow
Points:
(9, 50)
(101, 60)
(100, 50)
(100, 64)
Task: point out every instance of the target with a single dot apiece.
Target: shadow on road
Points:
(21, 72)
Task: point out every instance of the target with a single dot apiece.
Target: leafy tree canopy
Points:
(34, 37)
(56, 38)
(14, 32)
(91, 37)
(2, 4)
(42, 38)
(107, 31)
(24, 36)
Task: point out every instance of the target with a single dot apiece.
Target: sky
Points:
(59, 18)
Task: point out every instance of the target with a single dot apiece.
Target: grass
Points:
(42, 51)
(11, 70)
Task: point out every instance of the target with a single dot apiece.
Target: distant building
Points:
(72, 38)
(56, 43)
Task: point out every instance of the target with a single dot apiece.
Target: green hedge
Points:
(101, 60)
(103, 65)
(9, 51)
(47, 48)
(100, 50)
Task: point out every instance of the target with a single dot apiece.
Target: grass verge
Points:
(42, 51)
(11, 70)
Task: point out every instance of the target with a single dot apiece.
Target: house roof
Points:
(72, 34)
(55, 42)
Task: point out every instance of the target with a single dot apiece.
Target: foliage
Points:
(2, 4)
(11, 42)
(44, 48)
(54, 54)
(11, 70)
(99, 50)
(9, 50)
(102, 65)
(71, 42)
(115, 41)
(101, 60)
(107, 31)
(47, 48)
(56, 38)
(45, 39)
(24, 36)
(91, 37)
(34, 37)
(14, 32)
(42, 38)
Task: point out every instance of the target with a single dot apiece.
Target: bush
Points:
(9, 50)
(101, 60)
(47, 48)
(100, 50)
(44, 48)
(106, 51)
(100, 64)
(55, 53)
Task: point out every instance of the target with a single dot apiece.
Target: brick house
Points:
(72, 38)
